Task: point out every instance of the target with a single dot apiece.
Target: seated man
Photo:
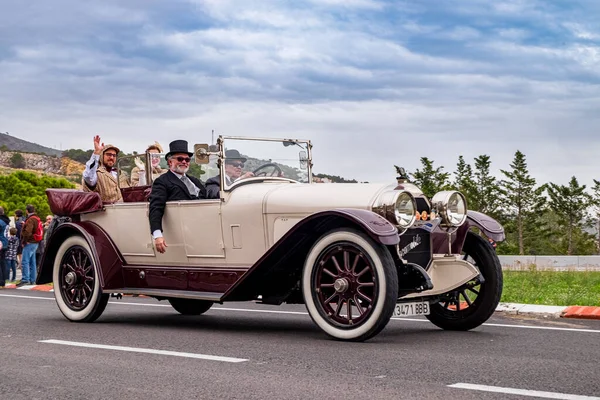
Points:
(234, 163)
(100, 175)
(174, 185)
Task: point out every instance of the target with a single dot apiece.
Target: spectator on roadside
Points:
(48, 222)
(19, 221)
(4, 223)
(11, 255)
(31, 236)
(40, 250)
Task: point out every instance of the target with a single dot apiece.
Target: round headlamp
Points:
(405, 210)
(397, 206)
(451, 207)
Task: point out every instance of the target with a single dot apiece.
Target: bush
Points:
(17, 161)
(21, 188)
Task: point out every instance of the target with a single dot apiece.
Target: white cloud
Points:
(373, 84)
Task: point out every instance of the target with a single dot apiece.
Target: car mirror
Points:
(303, 160)
(201, 153)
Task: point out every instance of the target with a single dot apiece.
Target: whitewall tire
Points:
(349, 285)
(76, 281)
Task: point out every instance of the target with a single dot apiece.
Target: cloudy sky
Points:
(372, 83)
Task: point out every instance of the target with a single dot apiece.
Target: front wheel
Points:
(76, 284)
(349, 285)
(473, 303)
(190, 306)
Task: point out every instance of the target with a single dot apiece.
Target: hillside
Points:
(14, 143)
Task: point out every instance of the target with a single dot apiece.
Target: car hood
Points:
(307, 199)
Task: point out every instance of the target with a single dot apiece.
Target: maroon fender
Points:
(376, 226)
(279, 269)
(104, 252)
(488, 225)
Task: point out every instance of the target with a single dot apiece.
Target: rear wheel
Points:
(473, 303)
(190, 306)
(349, 285)
(76, 282)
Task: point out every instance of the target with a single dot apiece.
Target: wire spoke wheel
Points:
(349, 285)
(76, 281)
(471, 304)
(346, 282)
(77, 278)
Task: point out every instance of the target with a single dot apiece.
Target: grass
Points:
(558, 288)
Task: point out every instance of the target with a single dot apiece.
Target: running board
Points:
(180, 294)
(447, 273)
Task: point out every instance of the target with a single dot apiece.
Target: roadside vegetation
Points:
(557, 288)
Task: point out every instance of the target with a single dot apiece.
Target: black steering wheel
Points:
(276, 170)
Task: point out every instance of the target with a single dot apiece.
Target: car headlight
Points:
(451, 207)
(397, 206)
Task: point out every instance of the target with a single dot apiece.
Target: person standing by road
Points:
(11, 255)
(19, 221)
(32, 234)
(4, 223)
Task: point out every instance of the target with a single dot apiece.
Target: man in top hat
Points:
(100, 174)
(234, 163)
(174, 185)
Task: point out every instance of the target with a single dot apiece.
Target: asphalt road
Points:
(278, 353)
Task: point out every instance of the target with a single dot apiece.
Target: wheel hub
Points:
(341, 285)
(71, 278)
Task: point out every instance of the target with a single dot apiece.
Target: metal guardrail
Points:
(551, 263)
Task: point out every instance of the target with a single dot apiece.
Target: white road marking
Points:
(147, 351)
(522, 392)
(27, 297)
(547, 328)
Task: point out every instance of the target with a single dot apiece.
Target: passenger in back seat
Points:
(138, 173)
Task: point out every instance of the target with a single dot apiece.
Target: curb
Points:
(39, 288)
(581, 312)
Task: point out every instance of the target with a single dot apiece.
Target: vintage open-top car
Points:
(354, 254)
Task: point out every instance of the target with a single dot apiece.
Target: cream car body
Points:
(276, 239)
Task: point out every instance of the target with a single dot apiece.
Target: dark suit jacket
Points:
(213, 186)
(168, 187)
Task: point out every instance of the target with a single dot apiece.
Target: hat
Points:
(110, 146)
(233, 155)
(156, 146)
(178, 146)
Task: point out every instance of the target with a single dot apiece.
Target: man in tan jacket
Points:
(100, 174)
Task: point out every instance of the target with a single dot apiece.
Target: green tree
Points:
(522, 200)
(463, 181)
(570, 203)
(430, 179)
(17, 160)
(21, 188)
(596, 204)
(486, 193)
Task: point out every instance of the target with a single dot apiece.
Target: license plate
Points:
(411, 309)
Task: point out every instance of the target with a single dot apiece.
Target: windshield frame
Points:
(221, 160)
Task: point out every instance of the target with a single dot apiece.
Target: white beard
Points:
(180, 170)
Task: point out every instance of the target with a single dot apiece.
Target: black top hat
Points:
(233, 155)
(178, 146)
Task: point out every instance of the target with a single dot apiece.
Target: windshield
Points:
(254, 158)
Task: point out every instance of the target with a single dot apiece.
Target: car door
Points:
(202, 230)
